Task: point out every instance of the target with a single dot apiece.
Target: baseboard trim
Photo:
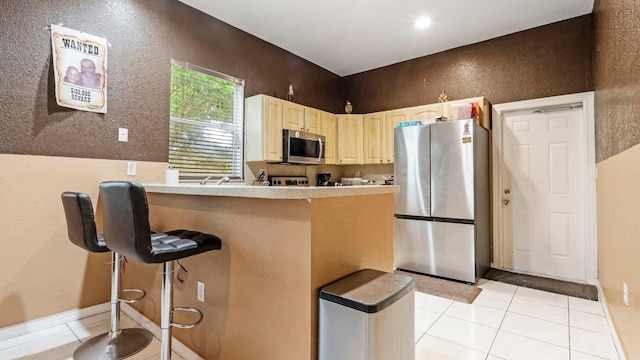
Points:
(180, 348)
(51, 321)
(612, 329)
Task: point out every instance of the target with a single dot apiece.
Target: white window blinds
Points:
(206, 122)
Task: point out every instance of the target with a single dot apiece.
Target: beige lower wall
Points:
(618, 192)
(42, 272)
(254, 284)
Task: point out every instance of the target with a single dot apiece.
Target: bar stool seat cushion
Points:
(126, 227)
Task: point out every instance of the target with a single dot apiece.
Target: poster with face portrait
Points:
(79, 69)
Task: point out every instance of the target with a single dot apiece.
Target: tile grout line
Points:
(73, 332)
(502, 321)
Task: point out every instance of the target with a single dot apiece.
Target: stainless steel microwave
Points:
(299, 147)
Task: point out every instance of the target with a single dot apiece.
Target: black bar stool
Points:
(125, 212)
(117, 343)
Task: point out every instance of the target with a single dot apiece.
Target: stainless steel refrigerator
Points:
(442, 214)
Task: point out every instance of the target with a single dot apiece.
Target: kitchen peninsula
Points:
(280, 246)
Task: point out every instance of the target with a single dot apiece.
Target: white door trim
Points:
(498, 116)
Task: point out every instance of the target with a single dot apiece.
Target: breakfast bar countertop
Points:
(271, 192)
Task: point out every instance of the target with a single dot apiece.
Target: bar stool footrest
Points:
(186, 326)
(129, 301)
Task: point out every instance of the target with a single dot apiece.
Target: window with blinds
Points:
(206, 123)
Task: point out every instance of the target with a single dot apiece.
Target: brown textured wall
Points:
(550, 60)
(616, 76)
(144, 37)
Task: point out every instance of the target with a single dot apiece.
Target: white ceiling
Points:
(348, 37)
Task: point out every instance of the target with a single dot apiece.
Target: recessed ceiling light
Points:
(423, 23)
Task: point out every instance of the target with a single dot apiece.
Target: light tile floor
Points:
(505, 322)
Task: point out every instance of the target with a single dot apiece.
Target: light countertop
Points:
(271, 192)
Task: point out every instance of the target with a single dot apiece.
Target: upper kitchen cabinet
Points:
(299, 117)
(312, 120)
(263, 128)
(374, 138)
(350, 130)
(425, 112)
(329, 128)
(480, 105)
(292, 116)
(392, 118)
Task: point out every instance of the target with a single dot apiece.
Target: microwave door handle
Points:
(321, 149)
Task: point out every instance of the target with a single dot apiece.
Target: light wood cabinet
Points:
(329, 129)
(299, 117)
(374, 138)
(292, 116)
(425, 112)
(349, 139)
(263, 128)
(392, 118)
(312, 120)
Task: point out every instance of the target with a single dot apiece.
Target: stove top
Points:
(289, 180)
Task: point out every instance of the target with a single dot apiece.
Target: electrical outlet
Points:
(625, 293)
(123, 134)
(200, 291)
(131, 168)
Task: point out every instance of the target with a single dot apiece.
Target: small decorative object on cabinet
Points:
(348, 108)
(290, 93)
(442, 97)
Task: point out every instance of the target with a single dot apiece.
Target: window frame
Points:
(236, 127)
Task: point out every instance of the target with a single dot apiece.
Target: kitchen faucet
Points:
(222, 179)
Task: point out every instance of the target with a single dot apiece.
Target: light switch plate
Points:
(123, 134)
(131, 168)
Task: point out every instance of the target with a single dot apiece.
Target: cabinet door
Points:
(292, 116)
(312, 120)
(394, 117)
(426, 112)
(374, 135)
(272, 128)
(349, 139)
(329, 129)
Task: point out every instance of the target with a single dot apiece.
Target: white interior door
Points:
(543, 188)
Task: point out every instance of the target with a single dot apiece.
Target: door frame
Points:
(499, 112)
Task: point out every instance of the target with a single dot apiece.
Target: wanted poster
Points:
(79, 69)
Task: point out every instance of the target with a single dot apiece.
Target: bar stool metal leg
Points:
(165, 310)
(117, 343)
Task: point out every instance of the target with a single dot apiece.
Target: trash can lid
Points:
(368, 290)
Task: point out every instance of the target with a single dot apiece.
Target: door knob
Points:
(506, 202)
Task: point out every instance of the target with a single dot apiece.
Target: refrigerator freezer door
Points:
(435, 248)
(452, 170)
(412, 170)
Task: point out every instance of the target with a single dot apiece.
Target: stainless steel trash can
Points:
(368, 315)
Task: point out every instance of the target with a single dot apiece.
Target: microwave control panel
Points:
(289, 181)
